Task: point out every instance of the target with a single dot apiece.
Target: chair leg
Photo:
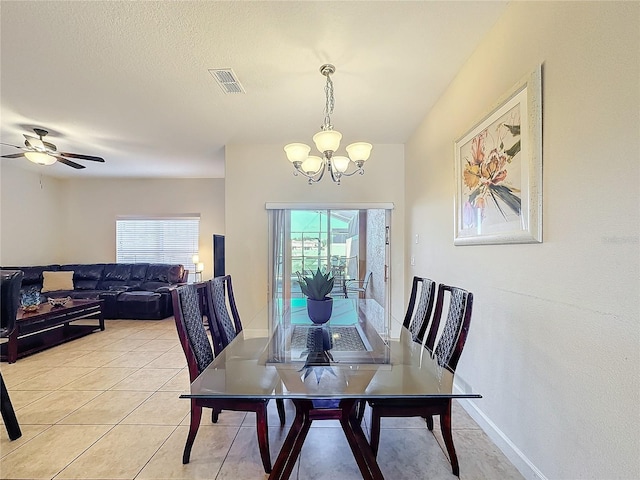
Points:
(375, 430)
(429, 420)
(281, 414)
(445, 426)
(214, 415)
(196, 416)
(8, 414)
(263, 438)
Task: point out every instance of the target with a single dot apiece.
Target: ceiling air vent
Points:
(227, 80)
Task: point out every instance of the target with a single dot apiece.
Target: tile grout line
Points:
(83, 451)
(27, 441)
(229, 449)
(157, 450)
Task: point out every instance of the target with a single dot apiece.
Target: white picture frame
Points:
(498, 171)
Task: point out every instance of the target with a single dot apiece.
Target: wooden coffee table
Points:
(49, 326)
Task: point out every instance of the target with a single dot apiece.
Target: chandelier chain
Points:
(330, 102)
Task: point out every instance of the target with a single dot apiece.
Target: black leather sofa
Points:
(129, 290)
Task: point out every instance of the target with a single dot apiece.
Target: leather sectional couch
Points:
(129, 290)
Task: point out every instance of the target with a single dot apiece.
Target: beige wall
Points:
(257, 174)
(32, 209)
(80, 214)
(555, 337)
(94, 205)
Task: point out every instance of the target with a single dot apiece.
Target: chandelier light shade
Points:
(312, 164)
(327, 141)
(359, 152)
(297, 152)
(340, 163)
(40, 158)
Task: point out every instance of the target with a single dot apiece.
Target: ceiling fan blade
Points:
(50, 146)
(13, 155)
(82, 157)
(69, 162)
(12, 145)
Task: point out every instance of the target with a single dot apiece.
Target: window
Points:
(158, 240)
(322, 239)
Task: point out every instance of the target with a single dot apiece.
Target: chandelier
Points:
(327, 141)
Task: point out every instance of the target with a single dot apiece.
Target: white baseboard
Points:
(511, 451)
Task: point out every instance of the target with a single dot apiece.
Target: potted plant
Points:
(317, 289)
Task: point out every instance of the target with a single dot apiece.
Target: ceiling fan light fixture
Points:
(35, 143)
(41, 152)
(40, 158)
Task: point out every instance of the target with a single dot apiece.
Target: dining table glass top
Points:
(359, 353)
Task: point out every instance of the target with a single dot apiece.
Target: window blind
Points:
(157, 240)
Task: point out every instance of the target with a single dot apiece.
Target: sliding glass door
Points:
(352, 244)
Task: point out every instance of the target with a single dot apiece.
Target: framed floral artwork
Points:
(498, 171)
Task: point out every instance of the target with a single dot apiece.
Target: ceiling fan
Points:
(45, 153)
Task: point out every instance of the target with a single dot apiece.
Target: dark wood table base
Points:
(305, 415)
(51, 326)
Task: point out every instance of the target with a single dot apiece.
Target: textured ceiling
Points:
(129, 81)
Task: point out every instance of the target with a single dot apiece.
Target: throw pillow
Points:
(53, 281)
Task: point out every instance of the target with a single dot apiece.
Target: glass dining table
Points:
(325, 370)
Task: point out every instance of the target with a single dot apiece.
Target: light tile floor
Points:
(107, 406)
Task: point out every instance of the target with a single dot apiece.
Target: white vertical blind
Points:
(157, 240)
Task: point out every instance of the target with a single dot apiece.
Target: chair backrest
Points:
(193, 337)
(456, 327)
(9, 300)
(201, 291)
(223, 301)
(366, 280)
(205, 299)
(417, 316)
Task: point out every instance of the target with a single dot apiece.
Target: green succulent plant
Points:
(318, 286)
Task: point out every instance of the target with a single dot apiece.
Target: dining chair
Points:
(9, 303)
(199, 353)
(450, 342)
(416, 320)
(227, 326)
(417, 317)
(356, 286)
